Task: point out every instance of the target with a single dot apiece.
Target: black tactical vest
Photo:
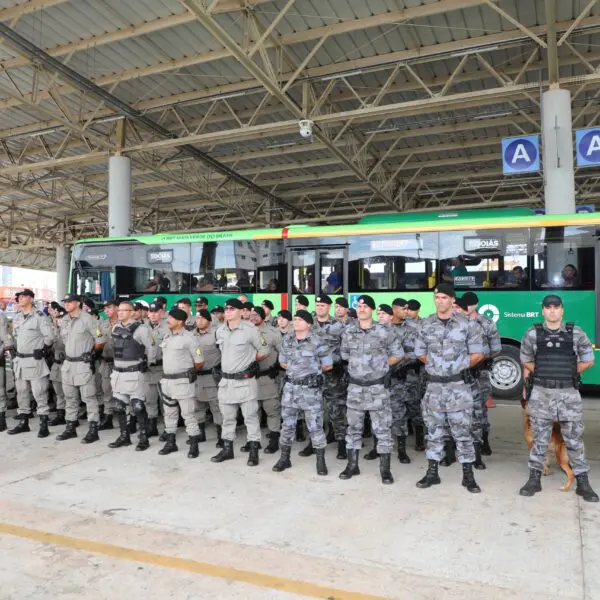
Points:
(555, 357)
(124, 346)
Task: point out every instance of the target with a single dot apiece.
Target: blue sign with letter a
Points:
(588, 147)
(521, 154)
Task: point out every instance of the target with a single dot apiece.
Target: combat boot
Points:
(246, 447)
(449, 454)
(170, 446)
(352, 466)
(193, 452)
(106, 423)
(143, 443)
(300, 437)
(584, 489)
(468, 480)
(384, 469)
(253, 454)
(163, 436)
(533, 485)
(22, 427)
(419, 438)
(478, 464)
(402, 456)
(2, 421)
(132, 424)
(372, 454)
(123, 439)
(321, 466)
(284, 461)
(273, 445)
(219, 443)
(59, 419)
(92, 434)
(431, 477)
(308, 451)
(152, 427)
(485, 446)
(202, 435)
(69, 432)
(225, 454)
(342, 454)
(43, 431)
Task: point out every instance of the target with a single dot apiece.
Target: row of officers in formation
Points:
(332, 370)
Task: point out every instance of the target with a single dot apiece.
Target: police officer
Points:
(185, 304)
(284, 322)
(305, 356)
(370, 349)
(218, 314)
(415, 380)
(182, 358)
(241, 345)
(83, 340)
(209, 376)
(341, 311)
(58, 313)
(492, 337)
(158, 329)
(448, 345)
(105, 365)
(412, 310)
(134, 349)
(4, 338)
(270, 319)
(33, 336)
(554, 354)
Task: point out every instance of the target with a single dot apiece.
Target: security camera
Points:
(306, 128)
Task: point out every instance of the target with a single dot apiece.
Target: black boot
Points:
(584, 489)
(330, 434)
(300, 437)
(92, 434)
(225, 454)
(384, 469)
(478, 464)
(533, 485)
(142, 419)
(193, 452)
(402, 456)
(132, 425)
(468, 480)
(273, 445)
(170, 446)
(2, 421)
(106, 422)
(419, 438)
(431, 477)
(352, 466)
(219, 443)
(163, 436)
(22, 427)
(253, 454)
(409, 427)
(485, 446)
(152, 427)
(342, 454)
(246, 447)
(284, 461)
(59, 419)
(321, 466)
(43, 431)
(449, 454)
(123, 439)
(308, 451)
(202, 435)
(372, 454)
(69, 432)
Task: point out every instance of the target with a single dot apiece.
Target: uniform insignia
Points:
(198, 351)
(152, 341)
(98, 332)
(263, 342)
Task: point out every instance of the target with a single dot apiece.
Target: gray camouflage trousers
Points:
(485, 387)
(547, 406)
(334, 397)
(298, 399)
(399, 401)
(477, 418)
(414, 392)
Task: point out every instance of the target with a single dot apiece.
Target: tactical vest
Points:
(124, 346)
(555, 357)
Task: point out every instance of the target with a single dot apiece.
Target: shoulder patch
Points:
(98, 332)
(263, 342)
(198, 352)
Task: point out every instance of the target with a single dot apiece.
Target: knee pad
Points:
(138, 406)
(120, 407)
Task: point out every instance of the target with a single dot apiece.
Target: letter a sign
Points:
(521, 154)
(588, 147)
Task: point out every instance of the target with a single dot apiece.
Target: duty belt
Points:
(184, 375)
(25, 355)
(131, 369)
(314, 381)
(554, 384)
(208, 371)
(240, 375)
(448, 379)
(75, 358)
(274, 370)
(364, 382)
(158, 363)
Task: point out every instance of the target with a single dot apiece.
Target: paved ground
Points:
(89, 522)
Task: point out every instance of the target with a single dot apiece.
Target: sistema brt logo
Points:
(490, 311)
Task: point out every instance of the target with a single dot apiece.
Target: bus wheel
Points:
(506, 377)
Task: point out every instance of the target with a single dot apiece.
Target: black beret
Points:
(324, 298)
(178, 314)
(286, 314)
(55, 305)
(342, 302)
(234, 303)
(248, 305)
(399, 302)
(413, 305)
(268, 304)
(305, 316)
(368, 300)
(445, 288)
(470, 298)
(204, 313)
(260, 312)
(462, 303)
(302, 300)
(386, 308)
(184, 301)
(89, 303)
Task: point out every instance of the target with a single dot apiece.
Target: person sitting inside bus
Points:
(154, 284)
(569, 275)
(335, 280)
(458, 269)
(518, 279)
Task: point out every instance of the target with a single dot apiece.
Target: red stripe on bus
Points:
(284, 233)
(284, 301)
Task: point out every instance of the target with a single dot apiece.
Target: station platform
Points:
(89, 522)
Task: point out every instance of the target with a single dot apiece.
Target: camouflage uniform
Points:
(367, 352)
(547, 405)
(155, 372)
(477, 417)
(104, 367)
(4, 337)
(492, 337)
(302, 390)
(206, 384)
(414, 376)
(55, 370)
(268, 378)
(401, 401)
(448, 345)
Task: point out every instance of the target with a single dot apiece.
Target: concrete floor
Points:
(89, 522)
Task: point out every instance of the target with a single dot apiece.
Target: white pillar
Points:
(557, 137)
(62, 270)
(119, 196)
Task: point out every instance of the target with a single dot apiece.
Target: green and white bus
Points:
(510, 257)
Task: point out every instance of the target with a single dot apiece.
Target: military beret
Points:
(268, 304)
(445, 288)
(368, 300)
(386, 308)
(324, 298)
(55, 305)
(462, 303)
(89, 303)
(217, 309)
(303, 300)
(552, 300)
(234, 303)
(286, 314)
(399, 302)
(305, 316)
(413, 305)
(205, 314)
(186, 301)
(178, 314)
(342, 302)
(248, 305)
(259, 311)
(471, 298)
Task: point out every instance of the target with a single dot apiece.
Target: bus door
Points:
(316, 270)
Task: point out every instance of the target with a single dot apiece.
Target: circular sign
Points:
(589, 146)
(520, 154)
(490, 311)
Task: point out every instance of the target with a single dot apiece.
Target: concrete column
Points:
(62, 270)
(119, 196)
(557, 138)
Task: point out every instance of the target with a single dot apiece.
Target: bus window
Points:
(392, 262)
(564, 258)
(481, 259)
(332, 271)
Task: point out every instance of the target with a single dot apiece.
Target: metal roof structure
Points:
(409, 100)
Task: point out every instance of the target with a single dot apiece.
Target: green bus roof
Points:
(429, 216)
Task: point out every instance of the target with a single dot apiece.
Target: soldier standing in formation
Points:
(158, 329)
(218, 314)
(105, 365)
(56, 369)
(4, 339)
(270, 318)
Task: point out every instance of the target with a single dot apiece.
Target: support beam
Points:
(62, 270)
(552, 46)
